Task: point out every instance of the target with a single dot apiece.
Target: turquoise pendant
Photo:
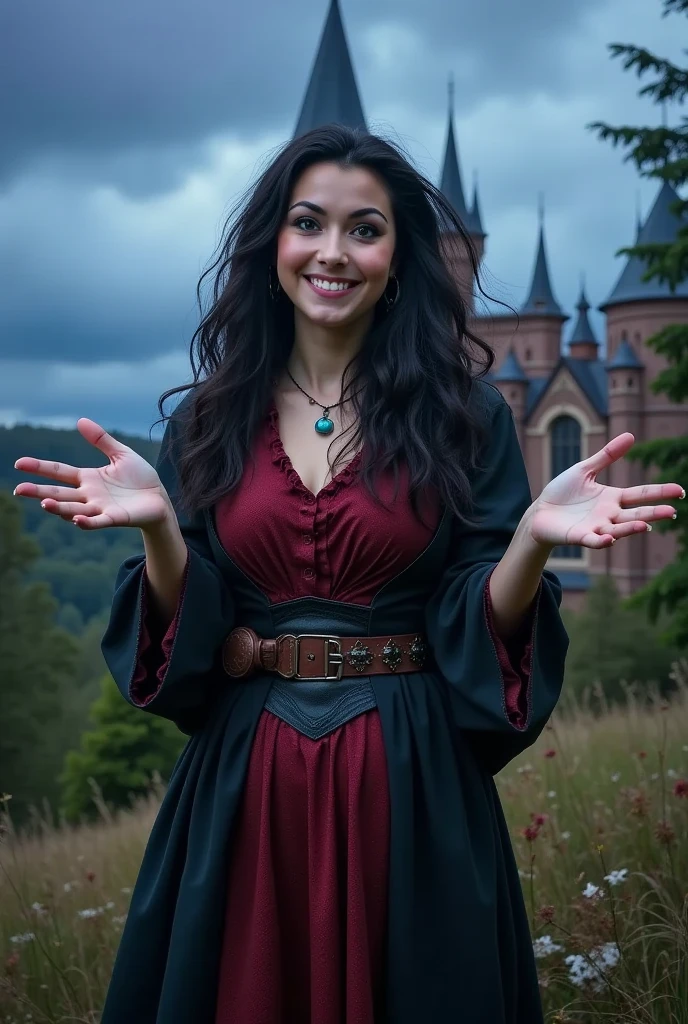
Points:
(324, 425)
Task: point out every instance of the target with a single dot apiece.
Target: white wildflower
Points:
(25, 937)
(615, 776)
(109, 905)
(126, 889)
(565, 835)
(67, 887)
(525, 768)
(616, 877)
(552, 793)
(654, 776)
(90, 912)
(609, 954)
(685, 746)
(39, 908)
(543, 946)
(592, 890)
(672, 774)
(590, 969)
(119, 919)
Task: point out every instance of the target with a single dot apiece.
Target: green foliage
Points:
(38, 661)
(80, 566)
(121, 754)
(612, 643)
(663, 153)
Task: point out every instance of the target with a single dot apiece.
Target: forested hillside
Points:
(79, 566)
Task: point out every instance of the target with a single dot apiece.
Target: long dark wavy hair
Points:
(419, 361)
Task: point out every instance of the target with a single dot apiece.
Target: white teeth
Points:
(330, 286)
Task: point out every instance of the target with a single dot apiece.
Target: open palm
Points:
(575, 508)
(125, 492)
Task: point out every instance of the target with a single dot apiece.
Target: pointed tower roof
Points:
(661, 226)
(332, 94)
(625, 357)
(583, 332)
(541, 301)
(510, 370)
(450, 184)
(475, 212)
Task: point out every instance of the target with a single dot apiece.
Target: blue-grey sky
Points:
(130, 130)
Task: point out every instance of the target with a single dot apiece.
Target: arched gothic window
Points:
(565, 450)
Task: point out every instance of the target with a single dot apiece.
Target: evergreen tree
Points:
(120, 753)
(37, 665)
(612, 644)
(663, 153)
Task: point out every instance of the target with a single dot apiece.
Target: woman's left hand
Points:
(575, 509)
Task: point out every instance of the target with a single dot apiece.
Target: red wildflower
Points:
(665, 833)
(539, 819)
(90, 875)
(642, 755)
(11, 962)
(531, 832)
(550, 753)
(546, 913)
(681, 787)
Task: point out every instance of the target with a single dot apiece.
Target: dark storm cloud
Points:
(89, 78)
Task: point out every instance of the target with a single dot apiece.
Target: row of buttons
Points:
(308, 499)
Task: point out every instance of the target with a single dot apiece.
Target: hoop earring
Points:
(389, 302)
(273, 283)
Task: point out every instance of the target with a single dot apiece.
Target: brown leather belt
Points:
(319, 656)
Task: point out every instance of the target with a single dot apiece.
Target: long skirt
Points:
(305, 927)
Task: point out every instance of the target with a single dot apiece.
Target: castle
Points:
(565, 406)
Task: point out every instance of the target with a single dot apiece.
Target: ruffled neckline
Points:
(282, 460)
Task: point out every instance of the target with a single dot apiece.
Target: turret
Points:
(583, 344)
(513, 384)
(451, 186)
(332, 94)
(544, 314)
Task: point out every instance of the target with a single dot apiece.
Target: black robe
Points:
(459, 948)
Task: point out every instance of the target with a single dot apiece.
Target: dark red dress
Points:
(304, 937)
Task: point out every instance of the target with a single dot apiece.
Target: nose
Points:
(332, 251)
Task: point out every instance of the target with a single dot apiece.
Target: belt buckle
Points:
(331, 657)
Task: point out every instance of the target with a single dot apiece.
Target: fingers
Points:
(611, 533)
(54, 470)
(99, 438)
(97, 522)
(617, 530)
(651, 492)
(613, 450)
(647, 513)
(28, 489)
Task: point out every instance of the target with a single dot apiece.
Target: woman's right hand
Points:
(126, 492)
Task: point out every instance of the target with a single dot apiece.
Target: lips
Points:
(331, 293)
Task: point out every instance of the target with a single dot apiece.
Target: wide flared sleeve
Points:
(172, 672)
(502, 694)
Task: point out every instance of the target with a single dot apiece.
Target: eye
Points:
(299, 221)
(367, 227)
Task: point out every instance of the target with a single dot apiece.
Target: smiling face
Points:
(336, 246)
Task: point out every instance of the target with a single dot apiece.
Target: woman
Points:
(331, 848)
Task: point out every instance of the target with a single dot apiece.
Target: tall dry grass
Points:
(598, 811)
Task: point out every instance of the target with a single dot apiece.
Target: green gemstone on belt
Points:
(324, 425)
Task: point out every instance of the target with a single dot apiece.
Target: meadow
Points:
(598, 812)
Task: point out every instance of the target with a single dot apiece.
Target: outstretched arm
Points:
(574, 508)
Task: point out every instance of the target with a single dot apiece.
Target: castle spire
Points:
(450, 183)
(332, 94)
(661, 226)
(583, 344)
(475, 212)
(541, 299)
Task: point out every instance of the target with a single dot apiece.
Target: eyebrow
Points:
(356, 213)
